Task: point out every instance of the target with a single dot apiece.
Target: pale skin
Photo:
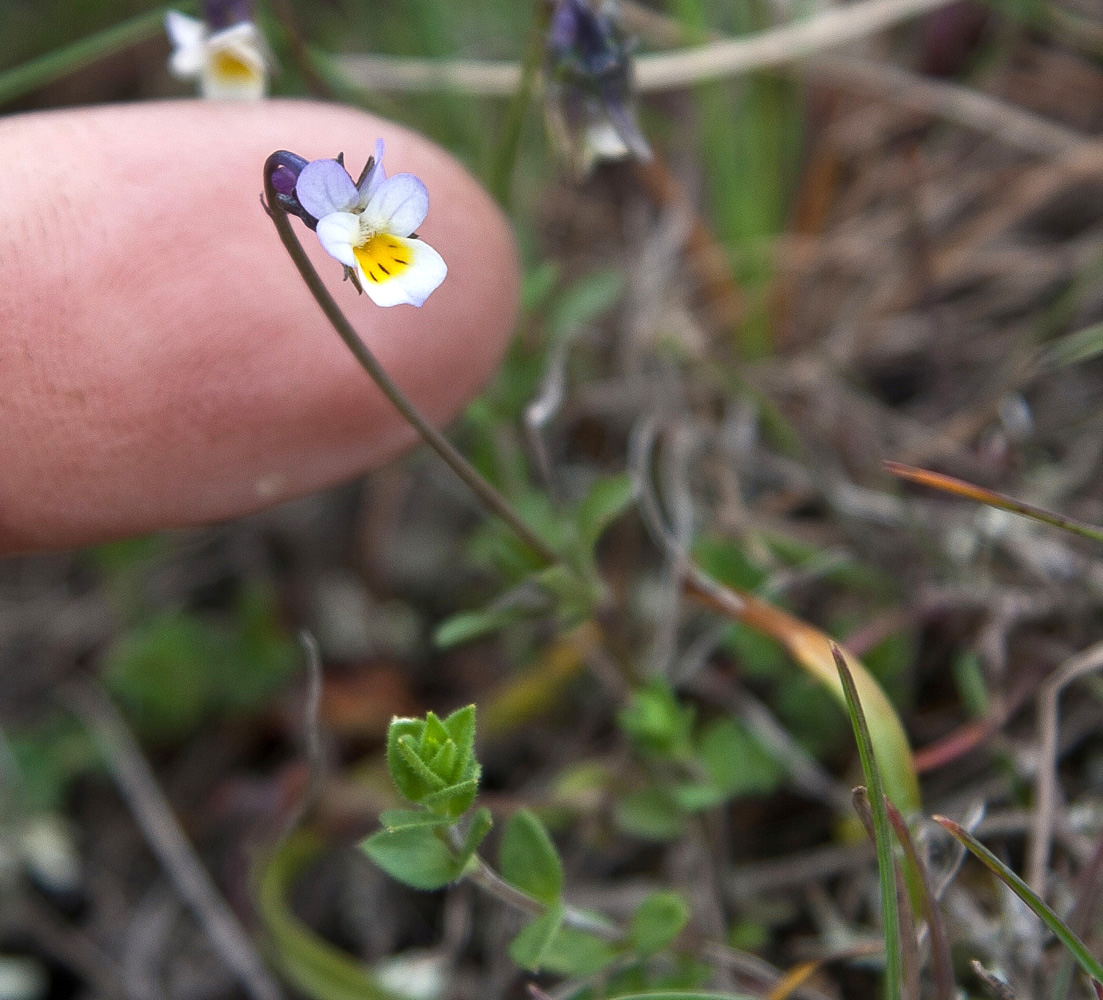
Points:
(162, 364)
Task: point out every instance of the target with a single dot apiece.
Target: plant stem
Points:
(487, 494)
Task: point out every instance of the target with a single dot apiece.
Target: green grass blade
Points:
(882, 829)
(1088, 962)
(52, 66)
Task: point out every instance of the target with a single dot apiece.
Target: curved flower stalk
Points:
(368, 225)
(590, 86)
(225, 51)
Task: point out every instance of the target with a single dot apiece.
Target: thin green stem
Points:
(487, 494)
(53, 65)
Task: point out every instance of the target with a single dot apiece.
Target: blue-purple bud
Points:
(221, 14)
(283, 169)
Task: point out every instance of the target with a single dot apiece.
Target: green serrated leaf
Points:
(454, 800)
(406, 819)
(529, 860)
(416, 857)
(606, 501)
(420, 778)
(532, 944)
(657, 922)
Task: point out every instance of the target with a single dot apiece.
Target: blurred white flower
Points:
(230, 63)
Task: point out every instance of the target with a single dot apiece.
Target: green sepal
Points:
(536, 939)
(529, 860)
(657, 922)
(415, 856)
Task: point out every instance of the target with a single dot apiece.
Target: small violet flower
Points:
(225, 52)
(369, 227)
(591, 98)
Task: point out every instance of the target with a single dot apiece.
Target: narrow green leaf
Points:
(453, 801)
(460, 726)
(415, 856)
(408, 819)
(894, 959)
(1086, 960)
(648, 813)
(469, 625)
(657, 922)
(606, 501)
(529, 859)
(533, 943)
(477, 830)
(585, 301)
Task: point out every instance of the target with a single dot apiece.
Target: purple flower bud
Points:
(284, 168)
(591, 100)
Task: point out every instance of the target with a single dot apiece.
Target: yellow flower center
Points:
(382, 257)
(231, 69)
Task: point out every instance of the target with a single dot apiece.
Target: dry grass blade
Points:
(816, 652)
(958, 487)
(886, 863)
(1086, 960)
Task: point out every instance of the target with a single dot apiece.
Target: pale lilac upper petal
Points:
(398, 206)
(374, 177)
(338, 232)
(324, 187)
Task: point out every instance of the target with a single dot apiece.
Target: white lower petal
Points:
(413, 285)
(338, 233)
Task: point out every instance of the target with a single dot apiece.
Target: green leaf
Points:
(734, 760)
(452, 802)
(656, 721)
(316, 968)
(426, 780)
(533, 943)
(1084, 958)
(585, 301)
(606, 501)
(408, 819)
(657, 922)
(468, 625)
(649, 814)
(576, 953)
(415, 856)
(529, 859)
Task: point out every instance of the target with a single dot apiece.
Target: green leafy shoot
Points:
(432, 762)
(894, 963)
(1086, 960)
